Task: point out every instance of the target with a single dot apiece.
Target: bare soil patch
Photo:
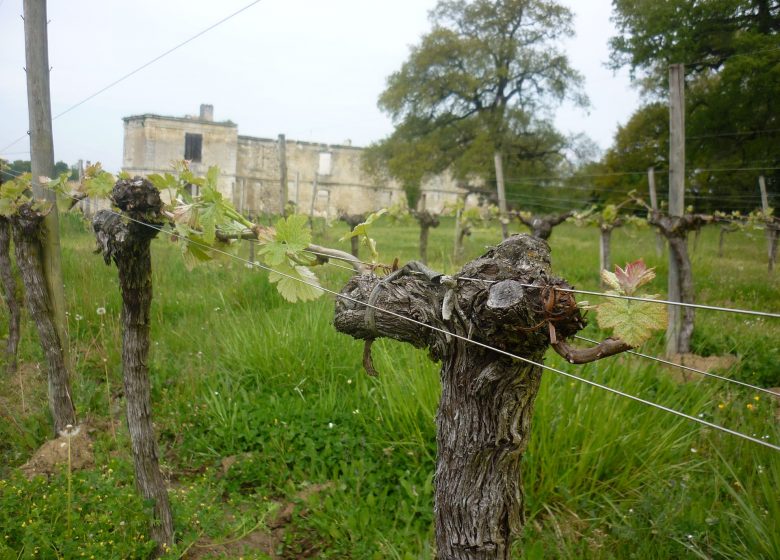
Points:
(267, 538)
(54, 454)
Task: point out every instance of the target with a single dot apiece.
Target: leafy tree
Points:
(731, 52)
(478, 87)
(19, 166)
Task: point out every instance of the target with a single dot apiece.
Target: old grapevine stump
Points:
(542, 226)
(127, 242)
(484, 416)
(426, 220)
(10, 295)
(27, 234)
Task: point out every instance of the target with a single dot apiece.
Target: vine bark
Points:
(27, 227)
(11, 296)
(127, 243)
(484, 416)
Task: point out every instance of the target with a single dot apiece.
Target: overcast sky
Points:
(307, 68)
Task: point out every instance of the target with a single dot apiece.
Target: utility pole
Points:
(499, 164)
(42, 153)
(282, 174)
(676, 193)
(659, 242)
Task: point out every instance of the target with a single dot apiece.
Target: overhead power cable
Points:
(144, 65)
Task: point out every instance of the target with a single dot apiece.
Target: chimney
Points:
(206, 112)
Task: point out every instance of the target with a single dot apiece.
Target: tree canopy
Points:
(731, 52)
(485, 79)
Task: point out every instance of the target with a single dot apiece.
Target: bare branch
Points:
(604, 349)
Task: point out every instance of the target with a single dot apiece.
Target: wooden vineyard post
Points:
(771, 226)
(503, 217)
(605, 245)
(42, 157)
(484, 416)
(282, 175)
(659, 242)
(313, 201)
(127, 242)
(675, 338)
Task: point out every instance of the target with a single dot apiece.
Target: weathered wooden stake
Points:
(127, 242)
(659, 242)
(771, 230)
(674, 337)
(282, 175)
(484, 416)
(605, 240)
(498, 162)
(36, 46)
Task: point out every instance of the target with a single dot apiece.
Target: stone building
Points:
(327, 178)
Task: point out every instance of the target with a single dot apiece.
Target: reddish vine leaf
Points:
(626, 281)
(631, 321)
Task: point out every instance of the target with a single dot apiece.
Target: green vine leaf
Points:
(292, 236)
(631, 321)
(292, 287)
(97, 182)
(361, 230)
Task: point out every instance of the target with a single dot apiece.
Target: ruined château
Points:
(329, 176)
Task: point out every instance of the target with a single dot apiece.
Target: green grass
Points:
(237, 372)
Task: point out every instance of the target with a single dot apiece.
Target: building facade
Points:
(325, 179)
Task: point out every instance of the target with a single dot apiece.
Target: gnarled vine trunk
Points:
(484, 416)
(675, 229)
(724, 229)
(542, 226)
(426, 220)
(11, 296)
(127, 243)
(27, 231)
(463, 232)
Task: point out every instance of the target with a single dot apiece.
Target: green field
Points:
(275, 441)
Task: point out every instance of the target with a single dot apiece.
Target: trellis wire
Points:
(617, 296)
(688, 368)
(633, 352)
(465, 339)
(667, 302)
(648, 300)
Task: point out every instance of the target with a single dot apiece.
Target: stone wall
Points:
(250, 172)
(341, 183)
(153, 142)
